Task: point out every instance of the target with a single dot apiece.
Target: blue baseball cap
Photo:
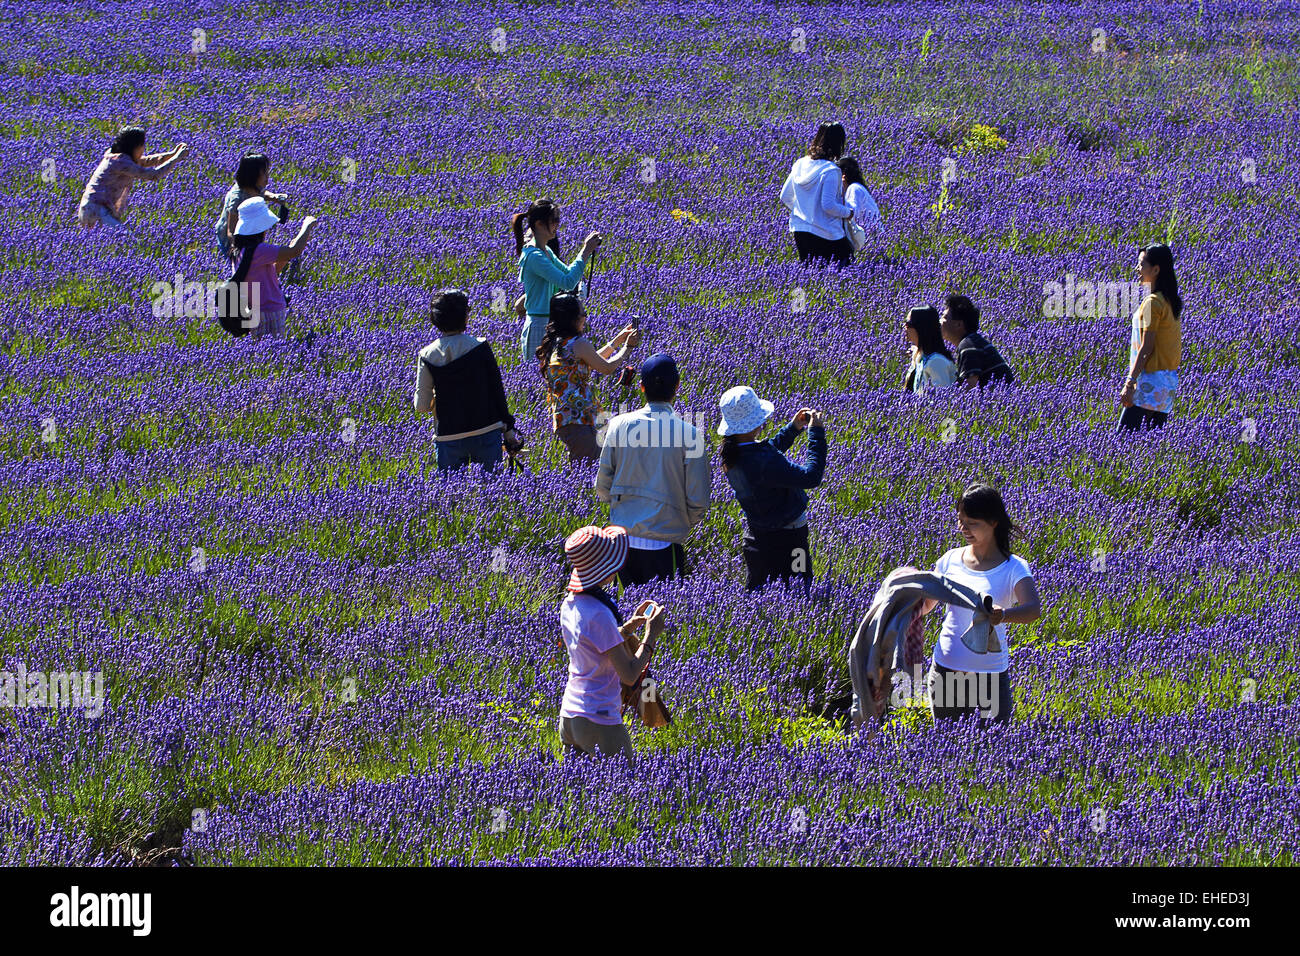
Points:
(659, 372)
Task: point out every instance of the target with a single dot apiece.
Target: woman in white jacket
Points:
(814, 194)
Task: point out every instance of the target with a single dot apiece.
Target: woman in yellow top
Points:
(1155, 347)
(567, 360)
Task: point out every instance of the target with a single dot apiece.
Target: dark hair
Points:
(248, 244)
(964, 310)
(449, 311)
(729, 453)
(925, 320)
(543, 210)
(251, 167)
(852, 172)
(661, 389)
(983, 502)
(1166, 282)
(828, 143)
(128, 140)
(566, 312)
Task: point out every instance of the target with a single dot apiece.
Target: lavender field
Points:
(317, 650)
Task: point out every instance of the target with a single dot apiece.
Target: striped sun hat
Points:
(595, 554)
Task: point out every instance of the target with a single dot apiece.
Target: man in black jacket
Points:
(457, 379)
(978, 362)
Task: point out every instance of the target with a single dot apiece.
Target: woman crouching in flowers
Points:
(108, 193)
(591, 715)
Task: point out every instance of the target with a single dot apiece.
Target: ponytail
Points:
(517, 227)
(543, 210)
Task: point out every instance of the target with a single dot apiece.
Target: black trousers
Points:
(811, 247)
(643, 565)
(1135, 415)
(957, 693)
(778, 555)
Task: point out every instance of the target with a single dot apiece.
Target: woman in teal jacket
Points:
(541, 270)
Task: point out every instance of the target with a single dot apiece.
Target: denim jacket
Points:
(768, 486)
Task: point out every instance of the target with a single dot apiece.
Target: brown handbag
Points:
(644, 694)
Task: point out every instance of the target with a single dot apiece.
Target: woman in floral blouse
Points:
(108, 194)
(567, 360)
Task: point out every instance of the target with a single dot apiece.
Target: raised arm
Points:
(586, 353)
(156, 172)
(545, 267)
(786, 474)
(153, 159)
(295, 248)
(629, 665)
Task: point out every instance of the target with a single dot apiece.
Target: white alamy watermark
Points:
(658, 429)
(75, 908)
(966, 689)
(201, 300)
(951, 689)
(59, 690)
(1091, 300)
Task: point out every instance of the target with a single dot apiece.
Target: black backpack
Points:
(232, 310)
(231, 301)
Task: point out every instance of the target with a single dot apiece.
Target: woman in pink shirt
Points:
(591, 715)
(258, 263)
(108, 194)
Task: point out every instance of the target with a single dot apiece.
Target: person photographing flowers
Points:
(567, 360)
(541, 271)
(771, 489)
(591, 713)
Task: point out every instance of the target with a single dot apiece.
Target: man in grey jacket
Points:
(654, 472)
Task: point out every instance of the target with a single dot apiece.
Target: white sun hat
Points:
(255, 217)
(743, 411)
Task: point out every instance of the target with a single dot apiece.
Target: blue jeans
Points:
(482, 449)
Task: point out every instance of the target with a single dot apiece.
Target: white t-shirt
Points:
(865, 211)
(1000, 582)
